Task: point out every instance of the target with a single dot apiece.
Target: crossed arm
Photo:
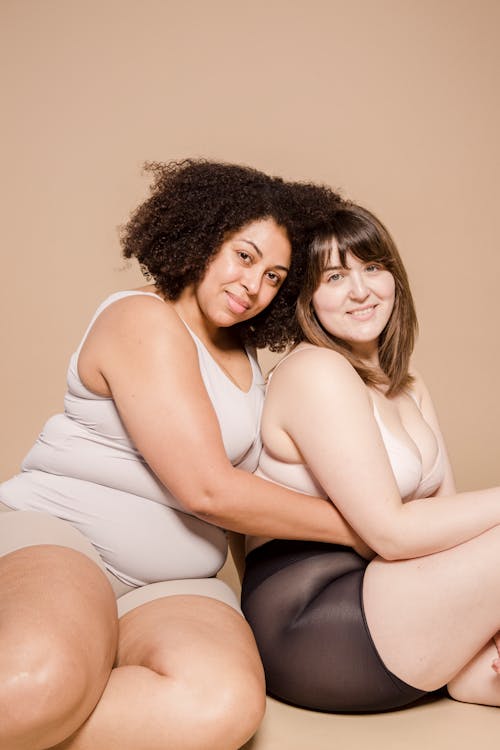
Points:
(318, 403)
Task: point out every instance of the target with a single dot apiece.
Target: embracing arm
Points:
(335, 431)
(148, 363)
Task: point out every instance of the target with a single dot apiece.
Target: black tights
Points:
(303, 601)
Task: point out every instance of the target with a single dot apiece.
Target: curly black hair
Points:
(196, 204)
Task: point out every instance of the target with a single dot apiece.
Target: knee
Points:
(240, 703)
(46, 692)
(231, 711)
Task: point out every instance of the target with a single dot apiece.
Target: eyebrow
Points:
(259, 253)
(336, 268)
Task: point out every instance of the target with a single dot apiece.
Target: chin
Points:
(226, 321)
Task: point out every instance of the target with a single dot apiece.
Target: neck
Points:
(189, 311)
(368, 355)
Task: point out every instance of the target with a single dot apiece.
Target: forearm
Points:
(429, 525)
(250, 505)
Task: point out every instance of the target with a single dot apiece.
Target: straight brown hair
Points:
(357, 231)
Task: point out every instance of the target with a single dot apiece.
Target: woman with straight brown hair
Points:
(347, 416)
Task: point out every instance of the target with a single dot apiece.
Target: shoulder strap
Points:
(295, 350)
(109, 301)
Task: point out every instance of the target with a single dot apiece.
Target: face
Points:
(355, 303)
(246, 274)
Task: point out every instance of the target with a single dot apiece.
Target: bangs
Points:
(362, 238)
(321, 250)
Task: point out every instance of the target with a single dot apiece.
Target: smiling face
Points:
(245, 274)
(354, 302)
(356, 299)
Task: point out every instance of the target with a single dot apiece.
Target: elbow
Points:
(201, 504)
(391, 552)
(206, 510)
(396, 538)
(392, 547)
(205, 500)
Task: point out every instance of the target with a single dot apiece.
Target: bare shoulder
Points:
(311, 380)
(139, 312)
(138, 325)
(132, 337)
(314, 365)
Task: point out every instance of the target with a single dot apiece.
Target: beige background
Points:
(394, 101)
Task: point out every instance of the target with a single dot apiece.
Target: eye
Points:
(245, 257)
(373, 267)
(337, 276)
(274, 278)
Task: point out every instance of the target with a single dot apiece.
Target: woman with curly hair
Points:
(335, 632)
(127, 495)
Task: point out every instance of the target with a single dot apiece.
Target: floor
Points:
(441, 724)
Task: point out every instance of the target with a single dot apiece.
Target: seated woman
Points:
(128, 493)
(346, 416)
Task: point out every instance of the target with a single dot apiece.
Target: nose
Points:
(252, 280)
(358, 290)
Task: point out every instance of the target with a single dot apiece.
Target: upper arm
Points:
(325, 408)
(150, 364)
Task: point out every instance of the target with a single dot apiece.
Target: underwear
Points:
(20, 528)
(304, 603)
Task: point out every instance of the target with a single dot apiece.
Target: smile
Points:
(237, 304)
(362, 313)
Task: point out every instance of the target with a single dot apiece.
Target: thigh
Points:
(187, 676)
(431, 615)
(303, 601)
(204, 655)
(187, 632)
(192, 629)
(54, 586)
(58, 629)
(51, 592)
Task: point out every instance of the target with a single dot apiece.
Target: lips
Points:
(362, 312)
(237, 304)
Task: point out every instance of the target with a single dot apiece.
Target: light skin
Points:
(355, 303)
(431, 594)
(183, 671)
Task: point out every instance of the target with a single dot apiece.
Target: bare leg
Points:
(58, 630)
(477, 682)
(432, 616)
(188, 677)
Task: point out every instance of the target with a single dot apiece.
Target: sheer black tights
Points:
(303, 601)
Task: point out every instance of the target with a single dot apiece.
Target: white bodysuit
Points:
(85, 469)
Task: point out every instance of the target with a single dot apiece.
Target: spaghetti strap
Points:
(289, 354)
(115, 297)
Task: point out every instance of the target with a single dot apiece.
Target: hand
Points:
(495, 665)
